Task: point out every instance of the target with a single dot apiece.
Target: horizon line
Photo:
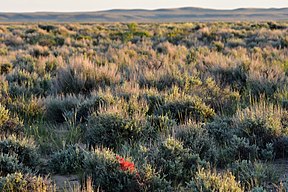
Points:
(145, 9)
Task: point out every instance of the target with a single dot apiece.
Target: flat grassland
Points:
(144, 107)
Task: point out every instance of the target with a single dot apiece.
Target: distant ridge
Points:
(185, 14)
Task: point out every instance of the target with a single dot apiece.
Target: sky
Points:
(96, 5)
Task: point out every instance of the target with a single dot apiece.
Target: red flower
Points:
(125, 165)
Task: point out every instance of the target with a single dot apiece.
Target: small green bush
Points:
(174, 162)
(8, 124)
(260, 123)
(81, 75)
(12, 126)
(218, 45)
(23, 83)
(4, 87)
(3, 51)
(67, 161)
(51, 66)
(236, 76)
(161, 124)
(189, 108)
(151, 180)
(198, 140)
(207, 180)
(55, 107)
(237, 148)
(43, 40)
(25, 62)
(222, 100)
(265, 82)
(47, 28)
(154, 102)
(39, 51)
(4, 115)
(253, 174)
(234, 43)
(90, 106)
(24, 148)
(10, 164)
(221, 129)
(106, 173)
(111, 130)
(258, 189)
(18, 182)
(30, 109)
(5, 68)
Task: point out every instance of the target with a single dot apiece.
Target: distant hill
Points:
(160, 15)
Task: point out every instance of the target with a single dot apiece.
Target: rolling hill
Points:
(185, 14)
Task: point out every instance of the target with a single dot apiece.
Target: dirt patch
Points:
(67, 182)
(280, 166)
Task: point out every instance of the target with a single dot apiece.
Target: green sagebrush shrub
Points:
(174, 162)
(154, 102)
(8, 124)
(25, 83)
(258, 131)
(25, 62)
(197, 139)
(24, 149)
(55, 107)
(42, 39)
(207, 180)
(103, 167)
(260, 123)
(92, 105)
(112, 130)
(19, 182)
(261, 85)
(281, 96)
(222, 100)
(253, 175)
(11, 41)
(5, 68)
(51, 67)
(161, 124)
(29, 109)
(47, 28)
(3, 51)
(237, 148)
(106, 173)
(162, 82)
(221, 129)
(10, 164)
(233, 145)
(188, 108)
(38, 51)
(67, 161)
(4, 88)
(13, 126)
(84, 76)
(259, 189)
(4, 115)
(230, 145)
(152, 180)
